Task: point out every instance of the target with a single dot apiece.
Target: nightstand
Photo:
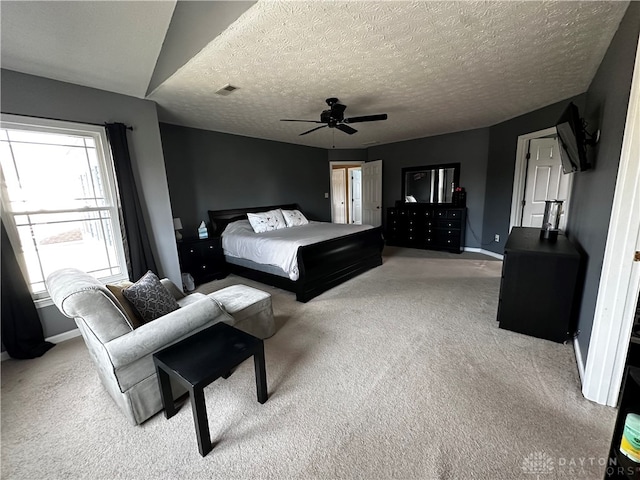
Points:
(203, 259)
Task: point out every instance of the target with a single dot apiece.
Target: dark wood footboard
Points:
(321, 265)
(326, 264)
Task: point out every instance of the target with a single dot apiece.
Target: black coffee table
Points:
(202, 358)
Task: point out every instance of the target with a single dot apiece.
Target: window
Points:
(60, 199)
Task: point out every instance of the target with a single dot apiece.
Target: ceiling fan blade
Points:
(290, 120)
(366, 118)
(346, 128)
(312, 130)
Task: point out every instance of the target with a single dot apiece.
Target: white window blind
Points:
(60, 199)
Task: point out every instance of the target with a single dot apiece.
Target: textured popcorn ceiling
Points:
(434, 67)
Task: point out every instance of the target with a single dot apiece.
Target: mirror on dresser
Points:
(430, 183)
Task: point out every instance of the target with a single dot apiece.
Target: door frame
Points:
(340, 163)
(520, 176)
(620, 278)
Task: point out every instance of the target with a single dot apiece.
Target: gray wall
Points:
(606, 108)
(503, 141)
(215, 171)
(347, 155)
(469, 148)
(29, 95)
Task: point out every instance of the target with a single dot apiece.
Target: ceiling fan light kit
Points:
(334, 118)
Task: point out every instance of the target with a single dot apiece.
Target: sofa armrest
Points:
(164, 331)
(173, 289)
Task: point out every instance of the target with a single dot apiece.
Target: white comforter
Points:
(280, 247)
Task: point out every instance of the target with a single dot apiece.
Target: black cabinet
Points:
(421, 225)
(203, 259)
(540, 285)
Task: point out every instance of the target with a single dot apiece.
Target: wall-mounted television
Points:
(572, 140)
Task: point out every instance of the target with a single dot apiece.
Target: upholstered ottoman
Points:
(250, 307)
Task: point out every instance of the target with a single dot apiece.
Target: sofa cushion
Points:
(150, 298)
(250, 307)
(133, 317)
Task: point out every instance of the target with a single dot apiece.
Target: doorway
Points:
(356, 200)
(538, 177)
(346, 193)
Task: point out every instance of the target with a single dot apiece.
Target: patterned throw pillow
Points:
(267, 221)
(294, 218)
(150, 298)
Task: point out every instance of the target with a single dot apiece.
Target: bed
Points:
(320, 266)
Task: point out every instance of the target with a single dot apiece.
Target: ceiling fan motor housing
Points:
(328, 117)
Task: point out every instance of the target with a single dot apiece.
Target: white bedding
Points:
(280, 247)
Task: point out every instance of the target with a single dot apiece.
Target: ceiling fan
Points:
(334, 118)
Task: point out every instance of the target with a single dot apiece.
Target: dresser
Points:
(203, 259)
(428, 226)
(539, 289)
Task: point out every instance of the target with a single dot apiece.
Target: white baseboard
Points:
(578, 352)
(484, 252)
(55, 339)
(61, 337)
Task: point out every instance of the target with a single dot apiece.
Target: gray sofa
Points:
(122, 355)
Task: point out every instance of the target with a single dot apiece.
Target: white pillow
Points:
(267, 221)
(294, 218)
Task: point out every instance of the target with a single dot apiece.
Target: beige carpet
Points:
(399, 373)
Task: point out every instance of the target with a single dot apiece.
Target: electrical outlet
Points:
(496, 237)
(326, 195)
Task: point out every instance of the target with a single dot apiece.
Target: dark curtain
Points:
(22, 333)
(135, 238)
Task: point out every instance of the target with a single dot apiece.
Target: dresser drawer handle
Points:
(204, 267)
(191, 250)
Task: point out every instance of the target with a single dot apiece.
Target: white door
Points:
(545, 181)
(372, 193)
(338, 196)
(355, 195)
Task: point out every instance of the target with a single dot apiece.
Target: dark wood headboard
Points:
(221, 218)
